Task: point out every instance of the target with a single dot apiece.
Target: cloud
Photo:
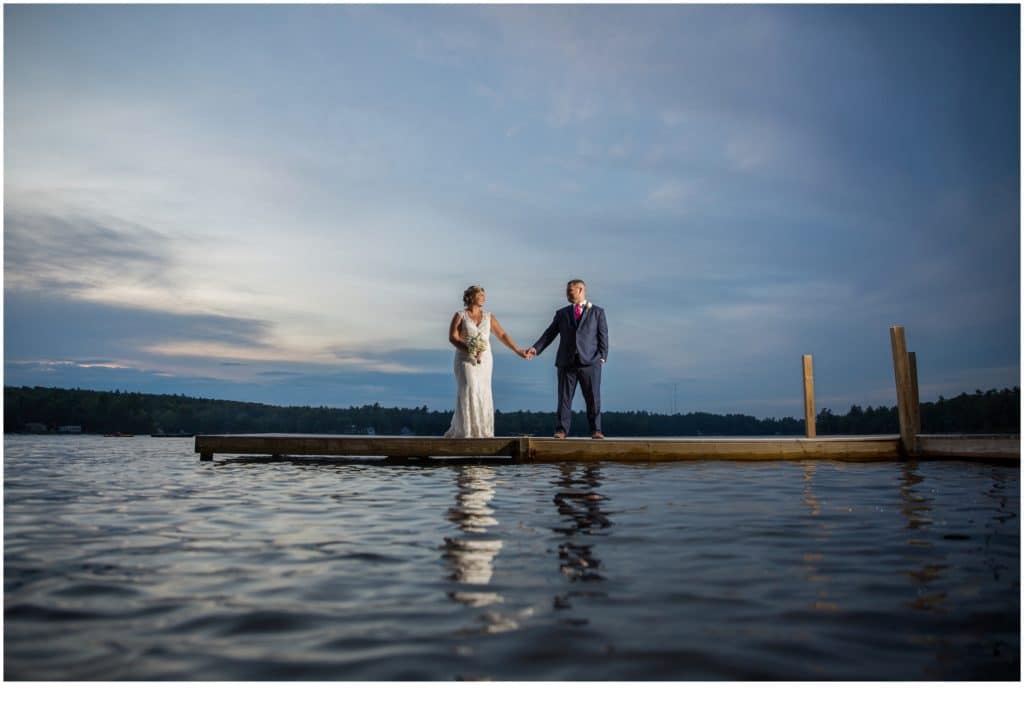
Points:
(396, 360)
(673, 118)
(752, 150)
(78, 251)
(311, 386)
(571, 105)
(672, 194)
(51, 325)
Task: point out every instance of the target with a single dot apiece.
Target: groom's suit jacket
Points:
(585, 342)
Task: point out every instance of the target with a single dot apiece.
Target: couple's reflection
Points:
(582, 508)
(470, 557)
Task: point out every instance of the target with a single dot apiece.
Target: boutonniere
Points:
(587, 306)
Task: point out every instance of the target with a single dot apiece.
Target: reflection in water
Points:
(998, 494)
(813, 558)
(582, 509)
(916, 507)
(810, 499)
(1004, 498)
(471, 557)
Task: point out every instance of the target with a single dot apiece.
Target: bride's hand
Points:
(521, 353)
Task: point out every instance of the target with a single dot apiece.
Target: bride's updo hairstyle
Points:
(470, 293)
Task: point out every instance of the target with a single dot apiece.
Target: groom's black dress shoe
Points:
(559, 434)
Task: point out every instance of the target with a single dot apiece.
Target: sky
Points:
(283, 204)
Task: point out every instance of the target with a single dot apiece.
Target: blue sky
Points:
(284, 203)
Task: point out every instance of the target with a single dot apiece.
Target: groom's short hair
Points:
(572, 283)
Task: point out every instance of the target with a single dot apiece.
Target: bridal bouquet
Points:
(477, 345)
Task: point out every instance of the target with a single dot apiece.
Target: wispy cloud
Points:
(79, 252)
(48, 324)
(672, 194)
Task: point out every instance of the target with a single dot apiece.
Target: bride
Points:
(470, 333)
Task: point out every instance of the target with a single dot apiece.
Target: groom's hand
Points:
(531, 353)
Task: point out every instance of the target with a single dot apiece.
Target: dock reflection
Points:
(814, 558)
(926, 574)
(914, 505)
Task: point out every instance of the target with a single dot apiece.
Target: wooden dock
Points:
(527, 449)
(910, 444)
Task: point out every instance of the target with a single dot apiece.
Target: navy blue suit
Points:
(582, 350)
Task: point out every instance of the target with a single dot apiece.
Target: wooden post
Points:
(204, 454)
(809, 415)
(520, 449)
(915, 395)
(901, 369)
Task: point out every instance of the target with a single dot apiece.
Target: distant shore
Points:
(81, 411)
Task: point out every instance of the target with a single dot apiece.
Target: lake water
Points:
(128, 558)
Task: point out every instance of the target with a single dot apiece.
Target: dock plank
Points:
(632, 450)
(970, 447)
(530, 449)
(363, 446)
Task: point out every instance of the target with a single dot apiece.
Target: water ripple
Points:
(133, 560)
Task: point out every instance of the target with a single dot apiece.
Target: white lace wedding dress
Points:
(474, 406)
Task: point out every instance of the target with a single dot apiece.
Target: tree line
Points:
(994, 411)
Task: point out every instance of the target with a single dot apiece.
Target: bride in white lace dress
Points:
(474, 405)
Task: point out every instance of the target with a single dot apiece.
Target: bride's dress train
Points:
(474, 405)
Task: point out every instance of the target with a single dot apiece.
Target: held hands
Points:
(529, 354)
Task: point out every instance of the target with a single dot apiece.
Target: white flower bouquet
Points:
(477, 345)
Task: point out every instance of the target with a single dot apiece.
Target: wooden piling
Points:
(809, 415)
(915, 396)
(901, 369)
(520, 449)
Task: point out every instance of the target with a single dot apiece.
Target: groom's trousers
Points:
(589, 379)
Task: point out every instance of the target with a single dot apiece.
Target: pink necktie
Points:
(579, 313)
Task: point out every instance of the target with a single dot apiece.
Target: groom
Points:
(582, 350)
